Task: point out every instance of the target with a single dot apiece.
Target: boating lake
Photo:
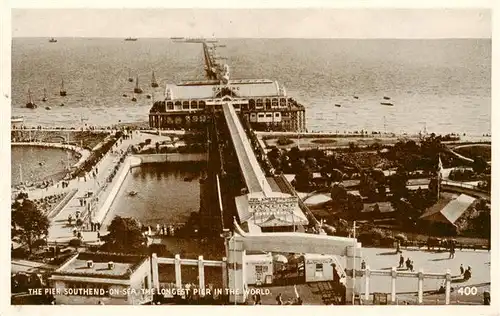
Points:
(163, 196)
(39, 163)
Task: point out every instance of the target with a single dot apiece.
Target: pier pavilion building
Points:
(264, 103)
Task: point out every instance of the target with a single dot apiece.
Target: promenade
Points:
(60, 231)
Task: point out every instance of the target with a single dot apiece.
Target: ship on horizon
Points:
(52, 40)
(131, 39)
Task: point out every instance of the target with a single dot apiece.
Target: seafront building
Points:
(89, 278)
(264, 103)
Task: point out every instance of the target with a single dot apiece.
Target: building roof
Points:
(451, 212)
(208, 90)
(124, 265)
(317, 256)
(278, 219)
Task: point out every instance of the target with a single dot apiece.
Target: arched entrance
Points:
(240, 242)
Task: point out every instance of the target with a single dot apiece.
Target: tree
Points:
(367, 186)
(354, 204)
(29, 223)
(125, 236)
(339, 196)
(433, 187)
(397, 184)
(479, 165)
(303, 179)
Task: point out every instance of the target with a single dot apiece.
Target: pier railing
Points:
(394, 274)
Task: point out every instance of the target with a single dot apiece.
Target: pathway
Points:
(59, 230)
(429, 261)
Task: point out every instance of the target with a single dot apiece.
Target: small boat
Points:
(62, 92)
(130, 79)
(44, 99)
(52, 40)
(132, 193)
(338, 105)
(125, 95)
(31, 104)
(41, 163)
(137, 89)
(154, 84)
(148, 96)
(130, 39)
(48, 108)
(134, 99)
(355, 97)
(387, 103)
(17, 119)
(62, 104)
(386, 98)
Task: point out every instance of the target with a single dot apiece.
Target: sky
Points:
(254, 23)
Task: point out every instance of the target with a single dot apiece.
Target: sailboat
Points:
(44, 99)
(130, 79)
(62, 92)
(52, 40)
(154, 84)
(137, 89)
(31, 104)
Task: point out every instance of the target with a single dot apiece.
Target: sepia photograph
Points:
(293, 156)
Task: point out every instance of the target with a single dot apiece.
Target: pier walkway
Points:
(255, 178)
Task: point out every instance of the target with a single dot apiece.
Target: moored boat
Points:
(387, 103)
(137, 89)
(338, 105)
(17, 119)
(31, 104)
(62, 92)
(154, 84)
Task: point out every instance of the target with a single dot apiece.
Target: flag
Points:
(440, 166)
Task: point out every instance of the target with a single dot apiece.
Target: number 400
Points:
(466, 290)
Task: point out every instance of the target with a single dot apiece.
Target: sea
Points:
(441, 86)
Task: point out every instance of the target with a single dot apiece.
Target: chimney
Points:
(111, 265)
(90, 263)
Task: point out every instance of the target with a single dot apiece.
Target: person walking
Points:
(279, 300)
(462, 270)
(401, 261)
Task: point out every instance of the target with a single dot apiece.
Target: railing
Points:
(420, 275)
(58, 208)
(178, 262)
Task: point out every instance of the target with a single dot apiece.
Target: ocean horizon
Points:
(442, 85)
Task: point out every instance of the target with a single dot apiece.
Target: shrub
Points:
(372, 237)
(75, 242)
(283, 141)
